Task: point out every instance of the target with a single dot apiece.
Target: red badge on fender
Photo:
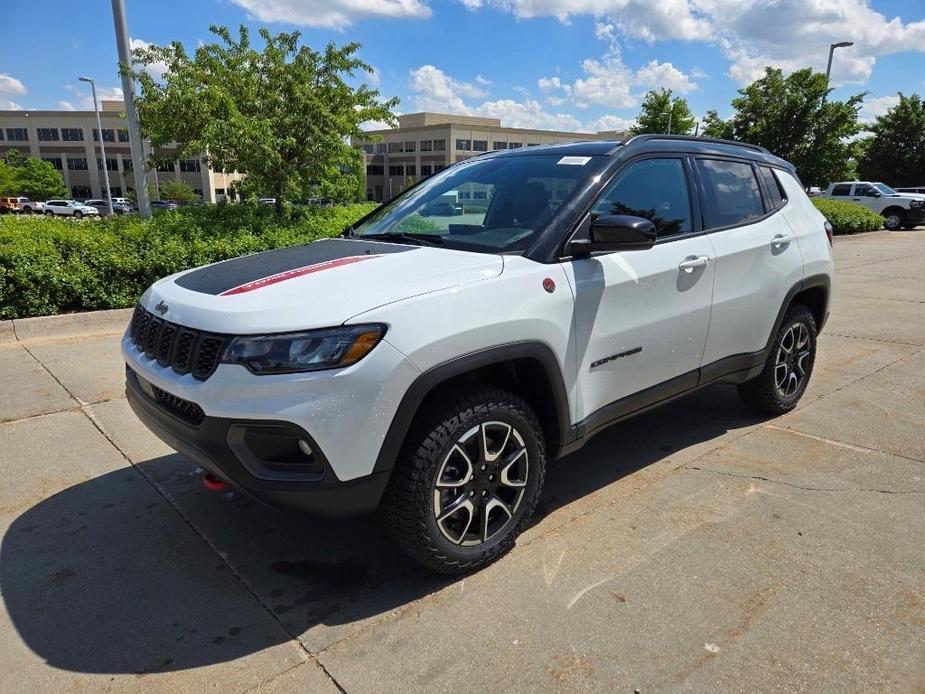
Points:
(549, 285)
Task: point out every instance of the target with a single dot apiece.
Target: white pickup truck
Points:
(899, 210)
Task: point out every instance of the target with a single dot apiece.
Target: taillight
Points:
(828, 230)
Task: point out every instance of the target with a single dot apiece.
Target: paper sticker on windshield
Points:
(574, 161)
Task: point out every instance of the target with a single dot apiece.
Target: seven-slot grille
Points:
(183, 349)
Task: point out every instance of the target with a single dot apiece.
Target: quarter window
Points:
(655, 189)
(772, 185)
(731, 193)
(842, 189)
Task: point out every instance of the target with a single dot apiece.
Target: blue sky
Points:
(568, 64)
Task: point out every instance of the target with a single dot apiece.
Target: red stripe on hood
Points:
(295, 272)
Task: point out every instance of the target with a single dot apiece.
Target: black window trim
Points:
(583, 219)
(758, 179)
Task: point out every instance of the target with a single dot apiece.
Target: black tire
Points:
(49, 213)
(765, 392)
(434, 447)
(910, 227)
(893, 219)
(78, 214)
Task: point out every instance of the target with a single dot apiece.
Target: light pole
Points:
(131, 116)
(832, 47)
(670, 115)
(99, 131)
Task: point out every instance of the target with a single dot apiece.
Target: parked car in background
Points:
(443, 364)
(918, 190)
(103, 207)
(266, 201)
(163, 205)
(899, 210)
(69, 208)
(18, 204)
(438, 209)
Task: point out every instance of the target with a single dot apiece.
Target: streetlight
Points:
(99, 130)
(832, 47)
(670, 115)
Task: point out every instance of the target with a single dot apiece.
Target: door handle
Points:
(781, 240)
(693, 262)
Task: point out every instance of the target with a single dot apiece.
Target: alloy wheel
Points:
(480, 483)
(790, 363)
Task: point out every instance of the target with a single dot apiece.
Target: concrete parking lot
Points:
(694, 548)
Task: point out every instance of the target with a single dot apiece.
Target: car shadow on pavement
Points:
(107, 577)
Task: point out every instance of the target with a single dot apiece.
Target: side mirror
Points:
(617, 232)
(873, 193)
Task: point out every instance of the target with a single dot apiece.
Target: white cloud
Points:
(156, 70)
(9, 105)
(877, 106)
(335, 14)
(11, 85)
(610, 122)
(66, 105)
(656, 74)
(85, 96)
(437, 91)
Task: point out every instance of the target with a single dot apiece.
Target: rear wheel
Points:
(49, 213)
(782, 382)
(467, 480)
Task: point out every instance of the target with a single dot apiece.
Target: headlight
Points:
(312, 350)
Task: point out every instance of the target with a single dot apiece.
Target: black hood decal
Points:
(229, 274)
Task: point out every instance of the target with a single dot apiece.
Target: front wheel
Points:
(49, 213)
(467, 480)
(782, 382)
(893, 220)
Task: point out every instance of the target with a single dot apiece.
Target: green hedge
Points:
(848, 218)
(61, 265)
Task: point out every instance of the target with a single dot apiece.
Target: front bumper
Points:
(915, 215)
(213, 444)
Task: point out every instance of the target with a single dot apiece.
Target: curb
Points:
(68, 325)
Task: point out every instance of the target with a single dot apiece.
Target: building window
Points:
(47, 134)
(514, 145)
(190, 165)
(500, 145)
(81, 192)
(439, 145)
(480, 195)
(439, 167)
(411, 170)
(464, 145)
(410, 146)
(111, 164)
(123, 134)
(396, 170)
(380, 148)
(427, 145)
(219, 191)
(115, 191)
(109, 135)
(54, 161)
(426, 170)
(374, 170)
(1, 133)
(533, 144)
(465, 195)
(17, 134)
(368, 148)
(77, 163)
(127, 164)
(480, 145)
(164, 166)
(394, 147)
(72, 134)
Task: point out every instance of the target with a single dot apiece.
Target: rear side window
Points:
(842, 189)
(731, 193)
(775, 193)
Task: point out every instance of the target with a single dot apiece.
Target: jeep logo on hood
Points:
(161, 308)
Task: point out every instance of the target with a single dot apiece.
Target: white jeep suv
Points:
(430, 366)
(899, 210)
(69, 208)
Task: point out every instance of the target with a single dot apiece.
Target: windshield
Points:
(884, 188)
(491, 205)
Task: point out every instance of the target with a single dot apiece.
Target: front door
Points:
(641, 317)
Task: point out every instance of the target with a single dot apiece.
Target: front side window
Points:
(862, 190)
(655, 189)
(842, 189)
(730, 192)
(487, 205)
(884, 189)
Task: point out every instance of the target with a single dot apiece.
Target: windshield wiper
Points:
(403, 237)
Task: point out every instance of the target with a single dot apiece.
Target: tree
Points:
(283, 115)
(180, 192)
(654, 117)
(793, 117)
(32, 177)
(896, 151)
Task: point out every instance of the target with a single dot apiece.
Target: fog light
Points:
(305, 448)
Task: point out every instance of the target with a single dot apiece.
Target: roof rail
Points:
(691, 138)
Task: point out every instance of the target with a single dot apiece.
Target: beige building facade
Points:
(70, 141)
(425, 143)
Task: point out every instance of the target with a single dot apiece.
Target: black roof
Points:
(652, 143)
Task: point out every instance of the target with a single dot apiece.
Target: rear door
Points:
(641, 317)
(758, 257)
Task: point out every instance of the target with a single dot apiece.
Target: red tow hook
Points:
(213, 483)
